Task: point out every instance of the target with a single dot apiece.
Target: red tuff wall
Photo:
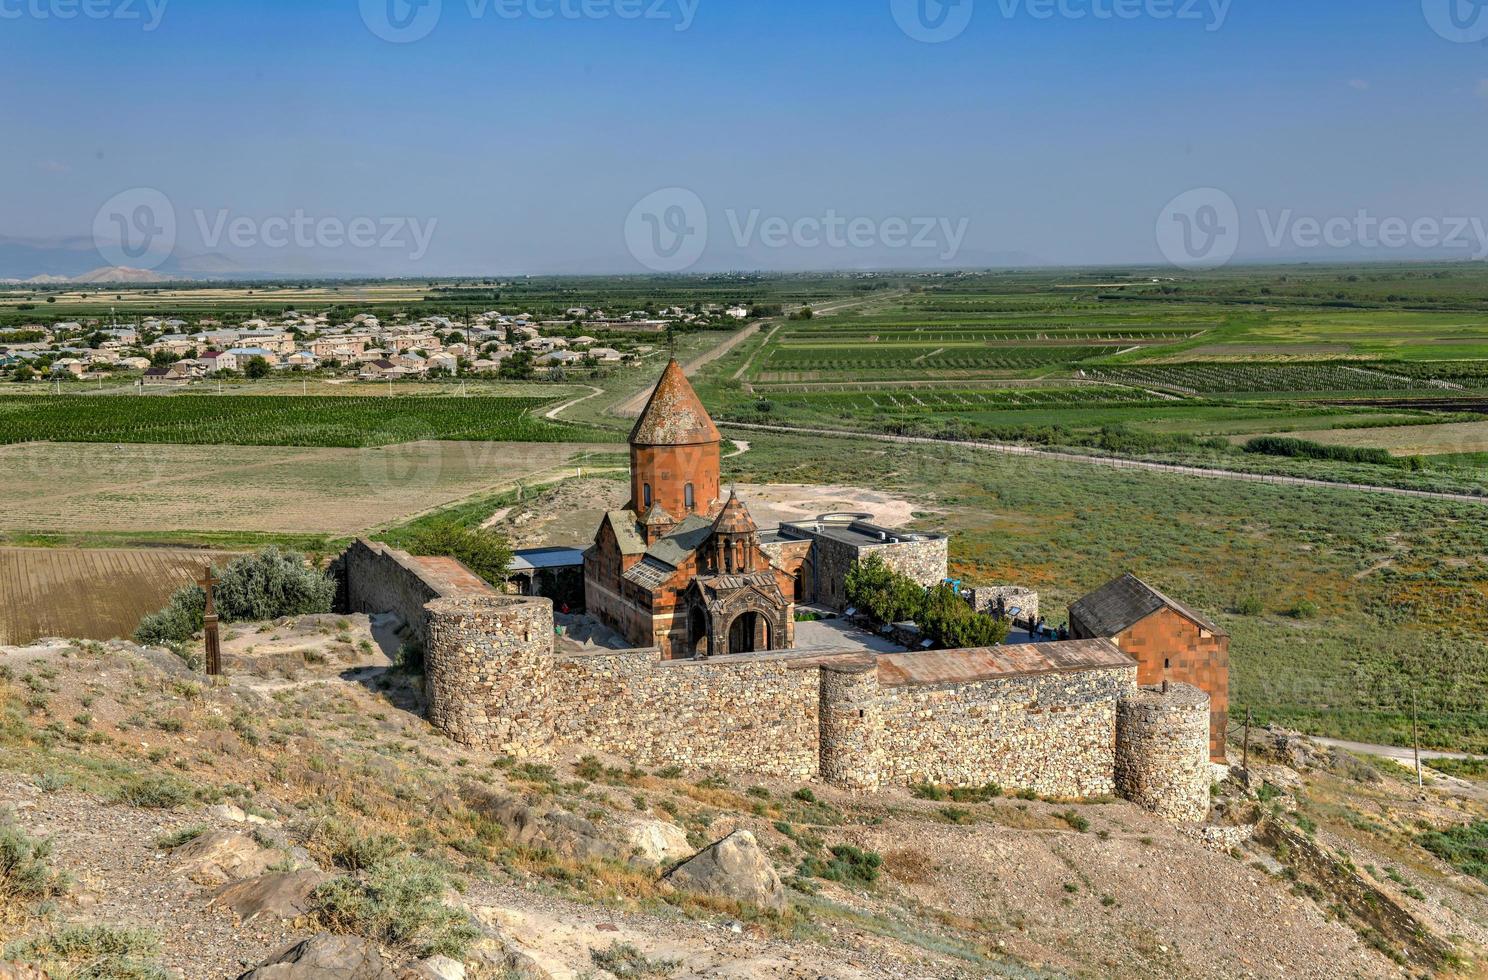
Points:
(1193, 656)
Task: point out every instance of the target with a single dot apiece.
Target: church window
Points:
(646, 495)
(690, 495)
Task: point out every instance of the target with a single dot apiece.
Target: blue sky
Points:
(525, 143)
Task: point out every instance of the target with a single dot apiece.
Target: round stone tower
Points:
(1162, 751)
(487, 671)
(851, 724)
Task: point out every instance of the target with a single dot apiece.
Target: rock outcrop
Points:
(736, 868)
(326, 957)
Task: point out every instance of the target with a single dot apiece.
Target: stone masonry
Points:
(1162, 751)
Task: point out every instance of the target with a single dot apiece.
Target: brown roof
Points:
(674, 416)
(734, 518)
(991, 663)
(1122, 603)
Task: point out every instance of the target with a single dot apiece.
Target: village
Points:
(364, 346)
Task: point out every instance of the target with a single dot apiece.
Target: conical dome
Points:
(674, 416)
(734, 518)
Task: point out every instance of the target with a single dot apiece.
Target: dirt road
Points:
(1113, 463)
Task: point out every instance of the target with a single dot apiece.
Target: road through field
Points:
(1120, 464)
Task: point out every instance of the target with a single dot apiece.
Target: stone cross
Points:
(214, 641)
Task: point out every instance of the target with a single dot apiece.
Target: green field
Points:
(278, 420)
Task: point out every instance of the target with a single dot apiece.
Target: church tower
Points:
(674, 455)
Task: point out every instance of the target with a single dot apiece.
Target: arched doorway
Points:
(697, 632)
(800, 589)
(749, 633)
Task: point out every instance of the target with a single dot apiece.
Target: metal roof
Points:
(992, 663)
(685, 538)
(532, 559)
(1119, 605)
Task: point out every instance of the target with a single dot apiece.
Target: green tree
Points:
(884, 594)
(257, 367)
(485, 552)
(952, 624)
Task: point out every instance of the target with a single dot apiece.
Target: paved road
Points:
(1112, 463)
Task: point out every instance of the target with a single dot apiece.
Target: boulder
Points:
(735, 868)
(15, 971)
(654, 841)
(220, 856)
(281, 895)
(438, 968)
(326, 957)
(235, 814)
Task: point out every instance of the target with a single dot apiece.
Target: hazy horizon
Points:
(477, 138)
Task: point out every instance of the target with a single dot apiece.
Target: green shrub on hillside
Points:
(253, 588)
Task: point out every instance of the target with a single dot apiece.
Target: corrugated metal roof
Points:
(1120, 604)
(650, 573)
(990, 663)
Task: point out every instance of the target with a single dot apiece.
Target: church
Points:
(681, 568)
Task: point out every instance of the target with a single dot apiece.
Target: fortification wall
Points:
(851, 724)
(379, 579)
(1162, 751)
(488, 672)
(1054, 734)
(728, 714)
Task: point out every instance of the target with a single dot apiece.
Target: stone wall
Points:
(851, 724)
(488, 672)
(1162, 751)
(747, 714)
(1052, 733)
(985, 599)
(374, 578)
(925, 560)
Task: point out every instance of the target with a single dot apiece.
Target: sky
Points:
(508, 137)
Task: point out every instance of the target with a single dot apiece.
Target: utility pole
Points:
(1245, 762)
(1416, 738)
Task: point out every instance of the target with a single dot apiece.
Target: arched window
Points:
(689, 496)
(646, 496)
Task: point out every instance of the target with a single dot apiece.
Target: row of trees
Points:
(887, 596)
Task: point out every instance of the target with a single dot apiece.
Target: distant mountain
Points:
(121, 274)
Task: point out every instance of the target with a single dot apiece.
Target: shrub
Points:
(26, 876)
(1305, 609)
(483, 551)
(952, 624)
(626, 962)
(346, 847)
(92, 952)
(1464, 848)
(882, 593)
(254, 588)
(1302, 449)
(1250, 605)
(847, 865)
(152, 792)
(399, 903)
(1076, 822)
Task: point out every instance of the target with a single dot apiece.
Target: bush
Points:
(1464, 848)
(847, 865)
(253, 588)
(95, 952)
(626, 962)
(1300, 448)
(153, 793)
(882, 593)
(952, 624)
(399, 903)
(25, 875)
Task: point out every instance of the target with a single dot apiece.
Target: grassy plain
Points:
(109, 493)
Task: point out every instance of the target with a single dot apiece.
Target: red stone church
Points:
(681, 568)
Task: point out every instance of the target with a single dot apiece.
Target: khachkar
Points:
(213, 639)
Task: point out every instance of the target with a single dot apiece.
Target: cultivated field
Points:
(81, 489)
(90, 595)
(277, 420)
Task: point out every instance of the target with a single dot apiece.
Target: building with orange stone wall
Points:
(680, 568)
(1169, 641)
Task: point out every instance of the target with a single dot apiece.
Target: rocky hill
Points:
(302, 820)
